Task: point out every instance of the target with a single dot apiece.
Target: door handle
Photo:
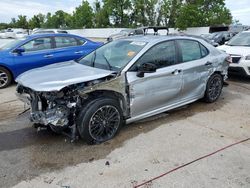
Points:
(79, 52)
(208, 63)
(48, 56)
(176, 71)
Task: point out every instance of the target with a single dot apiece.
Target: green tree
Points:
(139, 13)
(101, 15)
(22, 22)
(119, 11)
(48, 21)
(60, 19)
(170, 10)
(12, 23)
(3, 26)
(198, 13)
(147, 12)
(151, 11)
(37, 21)
(83, 16)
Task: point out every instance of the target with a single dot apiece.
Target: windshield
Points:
(114, 55)
(242, 39)
(11, 44)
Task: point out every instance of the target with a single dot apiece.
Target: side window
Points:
(190, 50)
(139, 32)
(62, 42)
(37, 44)
(204, 51)
(162, 55)
(81, 42)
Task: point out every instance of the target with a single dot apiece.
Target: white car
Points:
(21, 34)
(9, 33)
(239, 49)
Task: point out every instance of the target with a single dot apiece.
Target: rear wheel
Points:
(214, 88)
(100, 120)
(5, 78)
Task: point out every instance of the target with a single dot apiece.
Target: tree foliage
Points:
(101, 15)
(132, 13)
(198, 13)
(118, 11)
(83, 15)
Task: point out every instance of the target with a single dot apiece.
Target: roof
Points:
(52, 35)
(158, 38)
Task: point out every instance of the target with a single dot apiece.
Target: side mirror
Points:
(19, 51)
(146, 68)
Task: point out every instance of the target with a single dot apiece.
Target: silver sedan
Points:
(122, 82)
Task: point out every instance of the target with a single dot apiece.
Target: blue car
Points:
(39, 50)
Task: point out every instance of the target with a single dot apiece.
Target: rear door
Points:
(155, 90)
(196, 66)
(69, 48)
(38, 53)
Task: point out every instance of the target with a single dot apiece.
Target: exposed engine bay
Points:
(57, 109)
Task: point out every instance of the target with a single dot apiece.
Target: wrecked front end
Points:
(59, 110)
(54, 109)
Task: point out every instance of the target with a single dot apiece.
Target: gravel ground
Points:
(141, 151)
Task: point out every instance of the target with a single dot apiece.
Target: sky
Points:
(240, 9)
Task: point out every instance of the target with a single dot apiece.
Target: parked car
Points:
(125, 33)
(21, 34)
(9, 33)
(42, 31)
(34, 51)
(218, 37)
(239, 49)
(123, 81)
(205, 37)
(153, 30)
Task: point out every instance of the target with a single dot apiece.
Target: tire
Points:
(5, 78)
(214, 88)
(100, 120)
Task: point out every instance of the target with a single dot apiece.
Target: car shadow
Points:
(47, 151)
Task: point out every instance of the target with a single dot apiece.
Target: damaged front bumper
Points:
(47, 108)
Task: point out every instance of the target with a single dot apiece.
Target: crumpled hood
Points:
(57, 76)
(235, 50)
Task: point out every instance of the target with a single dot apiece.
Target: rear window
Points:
(192, 50)
(204, 51)
(62, 42)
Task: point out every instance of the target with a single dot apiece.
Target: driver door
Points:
(38, 53)
(156, 90)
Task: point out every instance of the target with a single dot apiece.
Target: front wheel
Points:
(5, 78)
(100, 120)
(214, 88)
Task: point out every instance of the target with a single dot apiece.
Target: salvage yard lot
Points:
(139, 152)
